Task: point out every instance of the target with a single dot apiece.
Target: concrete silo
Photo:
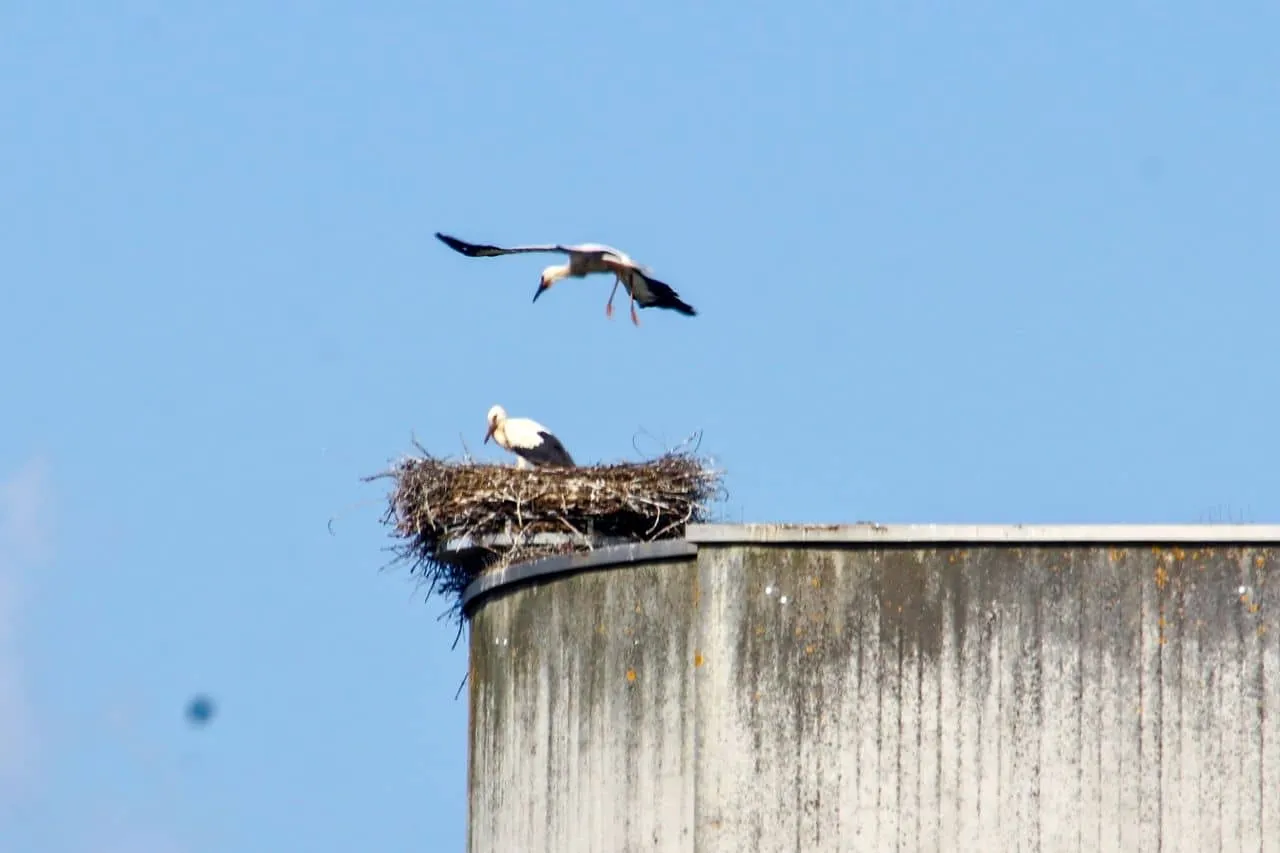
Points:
(870, 688)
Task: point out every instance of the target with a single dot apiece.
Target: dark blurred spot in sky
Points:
(199, 710)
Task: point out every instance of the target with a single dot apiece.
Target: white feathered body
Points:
(531, 442)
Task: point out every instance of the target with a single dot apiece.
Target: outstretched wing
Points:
(549, 452)
(651, 293)
(480, 250)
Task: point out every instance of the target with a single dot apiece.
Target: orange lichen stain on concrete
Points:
(952, 558)
(698, 660)
(1259, 561)
(1262, 630)
(759, 630)
(1162, 577)
(808, 650)
(1179, 554)
(631, 675)
(814, 582)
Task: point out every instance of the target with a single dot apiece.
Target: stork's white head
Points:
(495, 417)
(550, 276)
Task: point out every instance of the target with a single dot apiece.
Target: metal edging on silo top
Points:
(600, 558)
(864, 533)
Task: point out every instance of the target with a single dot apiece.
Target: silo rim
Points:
(600, 558)
(868, 532)
(862, 533)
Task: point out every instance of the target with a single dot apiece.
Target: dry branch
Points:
(453, 521)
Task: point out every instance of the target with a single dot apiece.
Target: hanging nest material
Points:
(455, 520)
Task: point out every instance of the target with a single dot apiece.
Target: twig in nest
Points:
(688, 447)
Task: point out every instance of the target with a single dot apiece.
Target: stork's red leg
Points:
(608, 309)
(634, 318)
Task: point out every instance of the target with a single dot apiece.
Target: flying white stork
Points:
(531, 442)
(585, 259)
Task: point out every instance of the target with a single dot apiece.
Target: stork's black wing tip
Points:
(664, 296)
(549, 453)
(471, 250)
(454, 243)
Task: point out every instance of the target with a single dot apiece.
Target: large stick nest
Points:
(452, 521)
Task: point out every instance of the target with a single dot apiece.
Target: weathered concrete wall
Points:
(582, 736)
(893, 693)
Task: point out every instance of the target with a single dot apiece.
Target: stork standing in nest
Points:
(585, 259)
(531, 442)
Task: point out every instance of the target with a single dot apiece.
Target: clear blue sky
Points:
(982, 265)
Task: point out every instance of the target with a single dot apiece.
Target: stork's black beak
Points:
(488, 434)
(542, 285)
